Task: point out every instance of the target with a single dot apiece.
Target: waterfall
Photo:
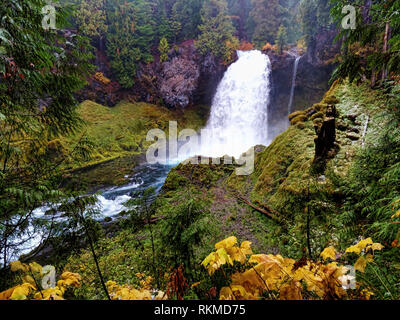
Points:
(239, 112)
(296, 65)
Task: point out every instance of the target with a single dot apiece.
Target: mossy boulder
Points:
(296, 114)
(319, 107)
(331, 100)
(318, 115)
(298, 119)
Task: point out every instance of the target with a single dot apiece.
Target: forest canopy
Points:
(130, 31)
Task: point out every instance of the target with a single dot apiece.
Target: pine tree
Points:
(369, 50)
(187, 14)
(315, 18)
(37, 86)
(216, 30)
(121, 46)
(281, 39)
(91, 19)
(266, 15)
(163, 48)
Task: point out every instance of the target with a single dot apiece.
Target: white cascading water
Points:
(295, 67)
(239, 112)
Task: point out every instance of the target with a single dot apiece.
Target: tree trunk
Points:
(385, 49)
(5, 252)
(373, 77)
(325, 140)
(96, 261)
(365, 11)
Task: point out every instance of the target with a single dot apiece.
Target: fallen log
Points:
(269, 212)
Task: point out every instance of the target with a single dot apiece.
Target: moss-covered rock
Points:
(298, 119)
(318, 115)
(331, 99)
(296, 114)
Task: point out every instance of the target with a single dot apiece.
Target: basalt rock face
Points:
(312, 81)
(179, 79)
(323, 48)
(107, 93)
(188, 77)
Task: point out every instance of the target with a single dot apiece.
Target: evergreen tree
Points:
(175, 25)
(131, 35)
(266, 15)
(121, 45)
(372, 49)
(186, 13)
(216, 30)
(281, 39)
(91, 19)
(240, 10)
(163, 48)
(315, 18)
(38, 81)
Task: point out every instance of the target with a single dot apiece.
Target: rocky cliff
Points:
(189, 78)
(186, 78)
(314, 71)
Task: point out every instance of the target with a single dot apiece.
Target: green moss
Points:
(331, 100)
(297, 119)
(300, 125)
(319, 107)
(122, 130)
(296, 114)
(174, 181)
(318, 115)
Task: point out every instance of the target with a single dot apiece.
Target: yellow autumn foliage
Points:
(361, 262)
(227, 251)
(396, 204)
(128, 292)
(365, 244)
(277, 277)
(22, 291)
(31, 277)
(396, 215)
(69, 279)
(329, 252)
(18, 266)
(99, 76)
